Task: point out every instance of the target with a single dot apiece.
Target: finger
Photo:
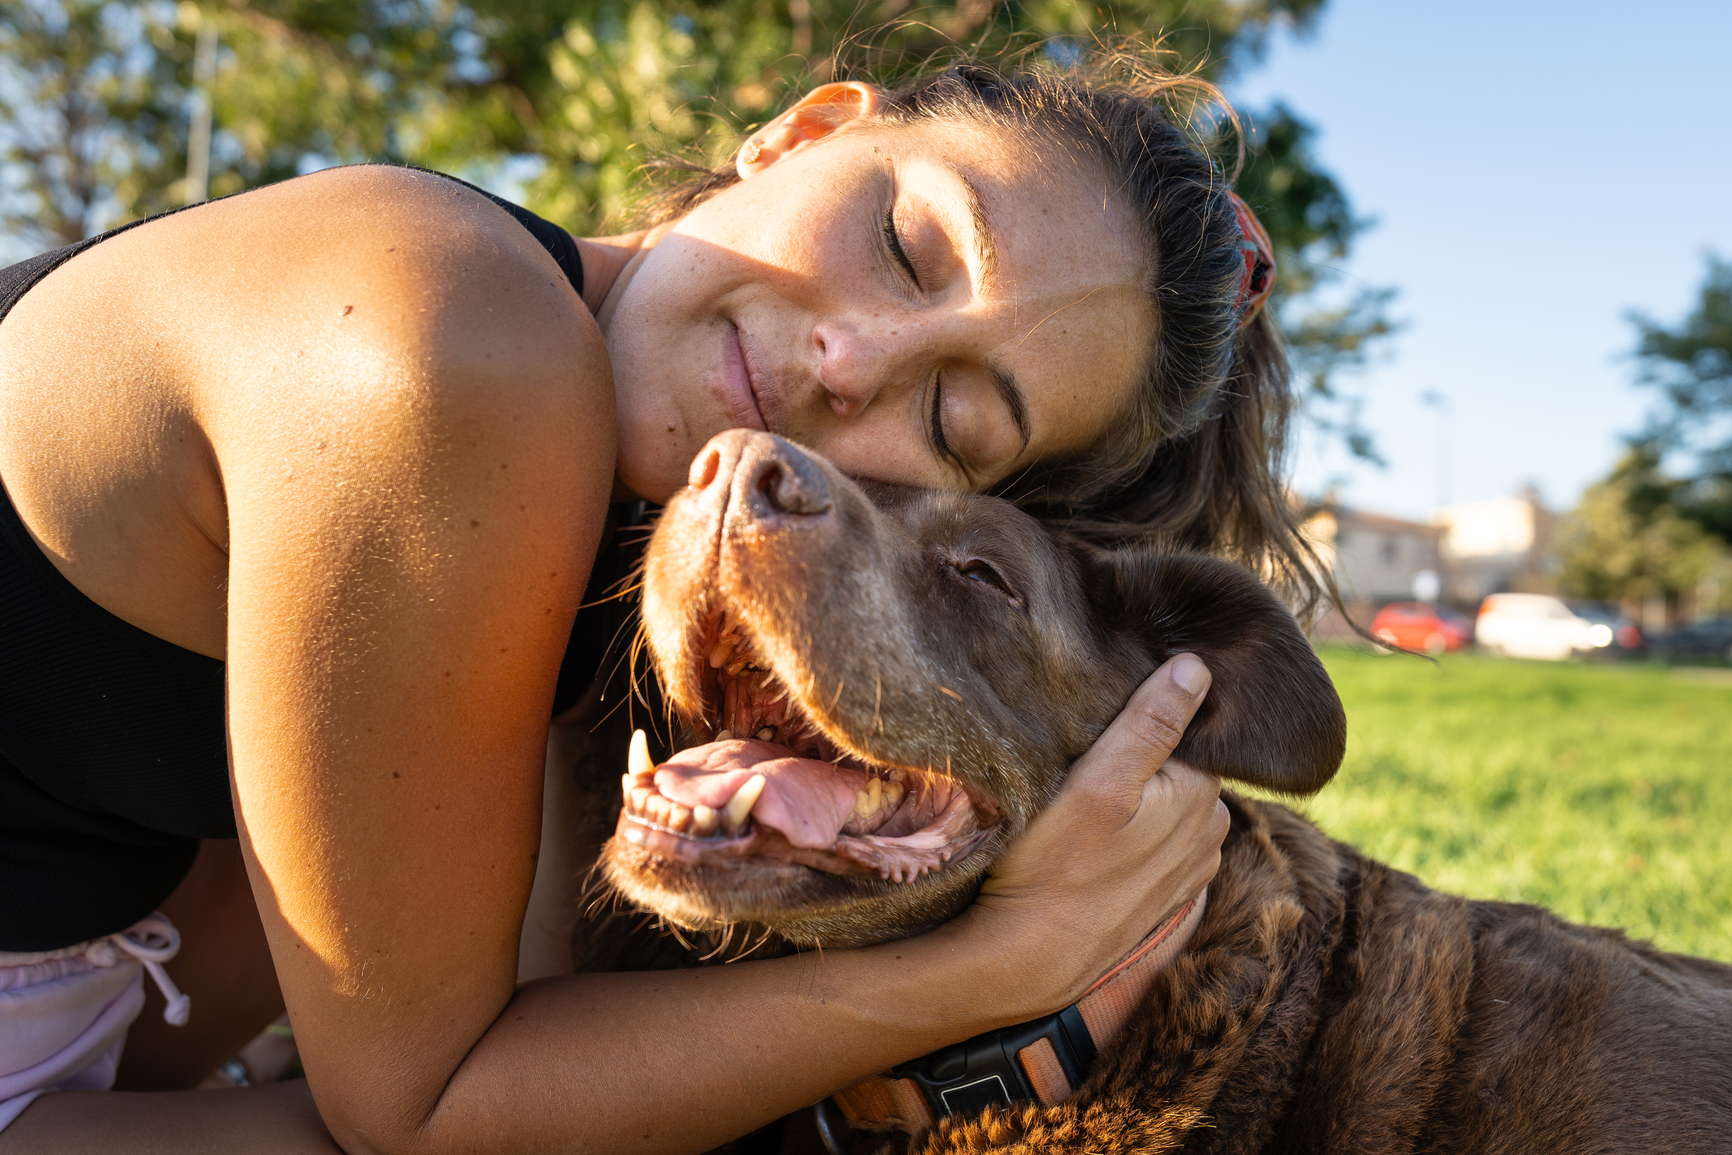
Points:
(1142, 737)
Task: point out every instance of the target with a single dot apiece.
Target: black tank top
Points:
(113, 759)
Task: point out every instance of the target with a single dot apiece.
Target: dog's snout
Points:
(758, 479)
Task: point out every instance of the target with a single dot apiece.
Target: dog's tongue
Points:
(807, 800)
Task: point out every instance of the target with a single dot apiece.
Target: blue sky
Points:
(1535, 170)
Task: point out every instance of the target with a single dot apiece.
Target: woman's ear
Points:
(819, 113)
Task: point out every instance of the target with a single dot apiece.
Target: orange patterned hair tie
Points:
(1258, 278)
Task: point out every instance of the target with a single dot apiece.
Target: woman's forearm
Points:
(684, 1060)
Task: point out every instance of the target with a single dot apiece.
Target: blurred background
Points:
(1500, 230)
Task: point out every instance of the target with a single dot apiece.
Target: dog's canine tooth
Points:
(722, 651)
(725, 736)
(638, 761)
(739, 807)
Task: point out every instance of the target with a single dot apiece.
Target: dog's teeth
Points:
(767, 734)
(640, 797)
(735, 666)
(638, 761)
(898, 775)
(894, 792)
(739, 807)
(679, 818)
(862, 803)
(724, 649)
(725, 736)
(658, 807)
(703, 819)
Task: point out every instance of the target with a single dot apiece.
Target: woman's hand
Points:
(1130, 838)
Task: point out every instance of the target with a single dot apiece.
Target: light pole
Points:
(1432, 399)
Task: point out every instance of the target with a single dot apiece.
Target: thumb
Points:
(1142, 737)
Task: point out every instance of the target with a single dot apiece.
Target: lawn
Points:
(1602, 791)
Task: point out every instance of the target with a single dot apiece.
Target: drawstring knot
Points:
(152, 941)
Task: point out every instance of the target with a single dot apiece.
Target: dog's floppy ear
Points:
(1272, 717)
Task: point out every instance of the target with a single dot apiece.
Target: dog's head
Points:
(883, 685)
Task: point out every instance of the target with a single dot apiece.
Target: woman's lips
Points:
(737, 396)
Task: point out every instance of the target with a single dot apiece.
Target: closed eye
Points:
(976, 570)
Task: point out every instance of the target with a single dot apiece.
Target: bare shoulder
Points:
(384, 315)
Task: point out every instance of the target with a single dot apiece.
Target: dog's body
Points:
(916, 672)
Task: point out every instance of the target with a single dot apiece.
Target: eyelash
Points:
(893, 242)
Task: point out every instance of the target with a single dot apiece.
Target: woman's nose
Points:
(858, 362)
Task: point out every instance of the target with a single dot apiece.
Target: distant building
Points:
(1472, 550)
(1497, 546)
(1375, 560)
(1375, 557)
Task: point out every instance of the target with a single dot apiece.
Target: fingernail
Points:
(1190, 674)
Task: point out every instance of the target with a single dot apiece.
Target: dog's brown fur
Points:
(1326, 1002)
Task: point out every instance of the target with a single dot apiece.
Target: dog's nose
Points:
(778, 482)
(718, 459)
(758, 479)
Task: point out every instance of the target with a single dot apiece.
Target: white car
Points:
(1536, 626)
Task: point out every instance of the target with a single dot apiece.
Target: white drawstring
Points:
(157, 941)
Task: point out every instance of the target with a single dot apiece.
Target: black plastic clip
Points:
(984, 1072)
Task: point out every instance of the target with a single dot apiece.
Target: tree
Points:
(89, 101)
(1628, 541)
(1691, 366)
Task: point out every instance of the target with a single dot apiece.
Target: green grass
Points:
(1601, 791)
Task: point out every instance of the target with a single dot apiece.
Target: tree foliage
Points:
(1691, 366)
(1627, 539)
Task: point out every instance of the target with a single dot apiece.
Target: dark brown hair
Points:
(1196, 460)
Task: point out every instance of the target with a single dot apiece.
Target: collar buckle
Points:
(985, 1070)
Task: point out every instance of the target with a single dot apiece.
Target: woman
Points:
(355, 437)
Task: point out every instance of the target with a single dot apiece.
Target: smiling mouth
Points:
(767, 783)
(738, 394)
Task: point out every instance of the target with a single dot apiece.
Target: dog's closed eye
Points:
(983, 572)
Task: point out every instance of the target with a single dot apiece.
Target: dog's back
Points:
(1330, 1003)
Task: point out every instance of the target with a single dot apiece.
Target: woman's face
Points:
(933, 304)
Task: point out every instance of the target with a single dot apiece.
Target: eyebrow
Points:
(985, 236)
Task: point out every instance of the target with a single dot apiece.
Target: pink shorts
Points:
(64, 1013)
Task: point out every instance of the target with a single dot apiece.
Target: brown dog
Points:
(885, 685)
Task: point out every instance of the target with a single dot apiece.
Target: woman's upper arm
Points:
(416, 459)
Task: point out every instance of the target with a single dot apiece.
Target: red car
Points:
(1417, 626)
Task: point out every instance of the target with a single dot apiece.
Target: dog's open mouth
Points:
(770, 784)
